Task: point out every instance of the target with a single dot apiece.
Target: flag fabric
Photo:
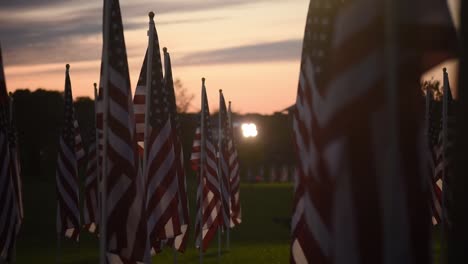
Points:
(300, 251)
(356, 209)
(180, 241)
(91, 209)
(10, 181)
(161, 165)
(91, 203)
(67, 186)
(224, 171)
(234, 177)
(125, 218)
(208, 193)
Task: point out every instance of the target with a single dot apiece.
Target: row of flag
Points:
(11, 201)
(135, 193)
(361, 192)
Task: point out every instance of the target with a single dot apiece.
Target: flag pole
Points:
(149, 69)
(96, 135)
(446, 88)
(10, 95)
(228, 234)
(105, 57)
(202, 167)
(220, 173)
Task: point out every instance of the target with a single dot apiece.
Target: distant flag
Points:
(223, 159)
(433, 131)
(123, 224)
(273, 174)
(68, 202)
(234, 169)
(11, 214)
(208, 190)
(180, 241)
(444, 152)
(358, 206)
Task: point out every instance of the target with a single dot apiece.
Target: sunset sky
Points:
(249, 48)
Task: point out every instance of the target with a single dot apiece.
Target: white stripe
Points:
(298, 253)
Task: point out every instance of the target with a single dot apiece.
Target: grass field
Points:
(263, 237)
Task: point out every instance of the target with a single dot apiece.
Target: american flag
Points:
(204, 162)
(433, 131)
(124, 214)
(224, 155)
(236, 211)
(179, 242)
(10, 183)
(443, 153)
(68, 203)
(161, 164)
(355, 209)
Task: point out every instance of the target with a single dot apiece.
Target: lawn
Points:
(263, 237)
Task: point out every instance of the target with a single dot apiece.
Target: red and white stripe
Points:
(235, 208)
(234, 177)
(139, 108)
(211, 209)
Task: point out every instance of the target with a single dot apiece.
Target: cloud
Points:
(285, 50)
(51, 31)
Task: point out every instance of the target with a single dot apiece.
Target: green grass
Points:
(263, 237)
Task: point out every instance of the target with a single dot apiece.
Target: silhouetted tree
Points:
(183, 97)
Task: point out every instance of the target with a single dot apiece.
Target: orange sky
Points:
(249, 48)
